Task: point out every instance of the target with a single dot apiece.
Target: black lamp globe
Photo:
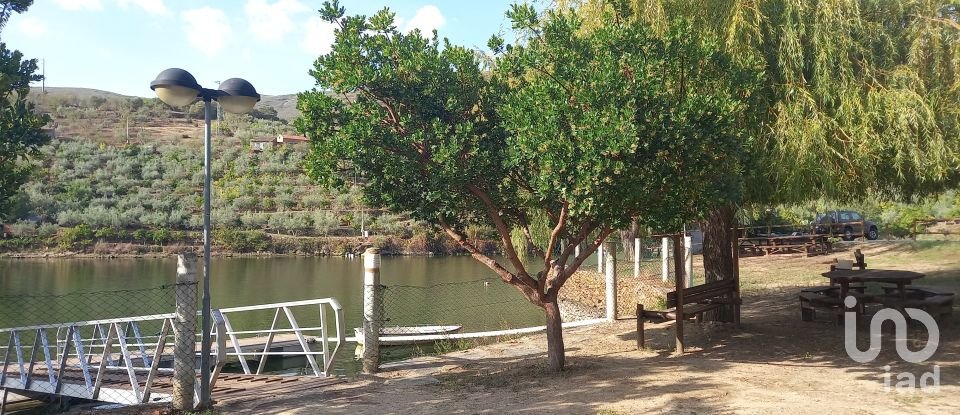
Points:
(238, 96)
(176, 87)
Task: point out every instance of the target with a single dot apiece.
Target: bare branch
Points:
(562, 277)
(501, 226)
(527, 285)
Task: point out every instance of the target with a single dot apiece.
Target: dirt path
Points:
(773, 364)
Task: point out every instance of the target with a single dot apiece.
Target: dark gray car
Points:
(845, 223)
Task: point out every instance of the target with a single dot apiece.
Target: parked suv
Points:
(847, 224)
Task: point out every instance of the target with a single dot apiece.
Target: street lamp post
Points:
(178, 88)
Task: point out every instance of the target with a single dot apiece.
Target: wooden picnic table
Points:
(889, 276)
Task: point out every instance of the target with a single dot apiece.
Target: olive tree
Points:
(567, 135)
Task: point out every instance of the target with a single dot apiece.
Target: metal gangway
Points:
(130, 360)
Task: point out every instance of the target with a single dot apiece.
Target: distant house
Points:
(291, 139)
(262, 143)
(6, 231)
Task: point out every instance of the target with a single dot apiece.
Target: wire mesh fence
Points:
(113, 346)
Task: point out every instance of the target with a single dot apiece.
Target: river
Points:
(419, 290)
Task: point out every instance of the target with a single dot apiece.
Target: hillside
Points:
(285, 105)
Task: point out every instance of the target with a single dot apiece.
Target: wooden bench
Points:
(937, 303)
(828, 297)
(701, 298)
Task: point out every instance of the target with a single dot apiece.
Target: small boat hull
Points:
(393, 335)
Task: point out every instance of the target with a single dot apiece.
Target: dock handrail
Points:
(90, 347)
(298, 332)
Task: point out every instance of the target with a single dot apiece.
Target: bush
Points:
(242, 241)
(76, 238)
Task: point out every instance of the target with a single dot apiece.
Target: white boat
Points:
(394, 335)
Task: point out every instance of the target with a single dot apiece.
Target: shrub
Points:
(76, 238)
(241, 241)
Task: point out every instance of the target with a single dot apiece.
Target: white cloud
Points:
(426, 19)
(32, 26)
(157, 7)
(79, 4)
(319, 37)
(272, 21)
(207, 29)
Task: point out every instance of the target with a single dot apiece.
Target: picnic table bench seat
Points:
(936, 302)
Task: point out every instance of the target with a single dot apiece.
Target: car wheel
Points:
(848, 234)
(873, 234)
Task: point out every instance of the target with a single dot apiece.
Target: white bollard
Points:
(611, 281)
(688, 260)
(576, 251)
(637, 257)
(372, 310)
(664, 256)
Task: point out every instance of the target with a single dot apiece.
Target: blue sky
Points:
(121, 45)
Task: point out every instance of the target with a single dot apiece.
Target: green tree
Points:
(21, 127)
(541, 145)
(860, 97)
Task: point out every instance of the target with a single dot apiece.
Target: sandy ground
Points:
(773, 364)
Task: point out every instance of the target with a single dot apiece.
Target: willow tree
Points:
(546, 139)
(21, 127)
(860, 96)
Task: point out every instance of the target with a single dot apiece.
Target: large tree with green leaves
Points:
(860, 96)
(21, 127)
(567, 136)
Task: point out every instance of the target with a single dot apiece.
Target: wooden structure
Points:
(685, 303)
(897, 294)
(768, 245)
(944, 227)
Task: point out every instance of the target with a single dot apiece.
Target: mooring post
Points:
(184, 332)
(600, 258)
(688, 259)
(611, 281)
(372, 310)
(637, 256)
(664, 255)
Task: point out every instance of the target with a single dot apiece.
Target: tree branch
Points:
(562, 277)
(527, 285)
(501, 226)
(561, 224)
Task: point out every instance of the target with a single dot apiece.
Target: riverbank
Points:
(242, 244)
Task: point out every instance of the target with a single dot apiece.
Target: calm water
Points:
(420, 290)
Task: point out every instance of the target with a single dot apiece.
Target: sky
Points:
(121, 45)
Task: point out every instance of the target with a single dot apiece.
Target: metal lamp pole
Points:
(205, 314)
(179, 88)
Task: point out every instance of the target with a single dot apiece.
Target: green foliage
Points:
(860, 97)
(21, 126)
(242, 241)
(76, 238)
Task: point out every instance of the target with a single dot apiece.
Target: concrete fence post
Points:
(576, 250)
(372, 310)
(664, 256)
(688, 259)
(637, 256)
(600, 258)
(184, 332)
(611, 281)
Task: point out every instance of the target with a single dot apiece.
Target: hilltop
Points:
(285, 105)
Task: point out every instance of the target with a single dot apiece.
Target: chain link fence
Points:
(111, 346)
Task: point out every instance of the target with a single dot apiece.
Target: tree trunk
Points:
(555, 353)
(717, 256)
(628, 236)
